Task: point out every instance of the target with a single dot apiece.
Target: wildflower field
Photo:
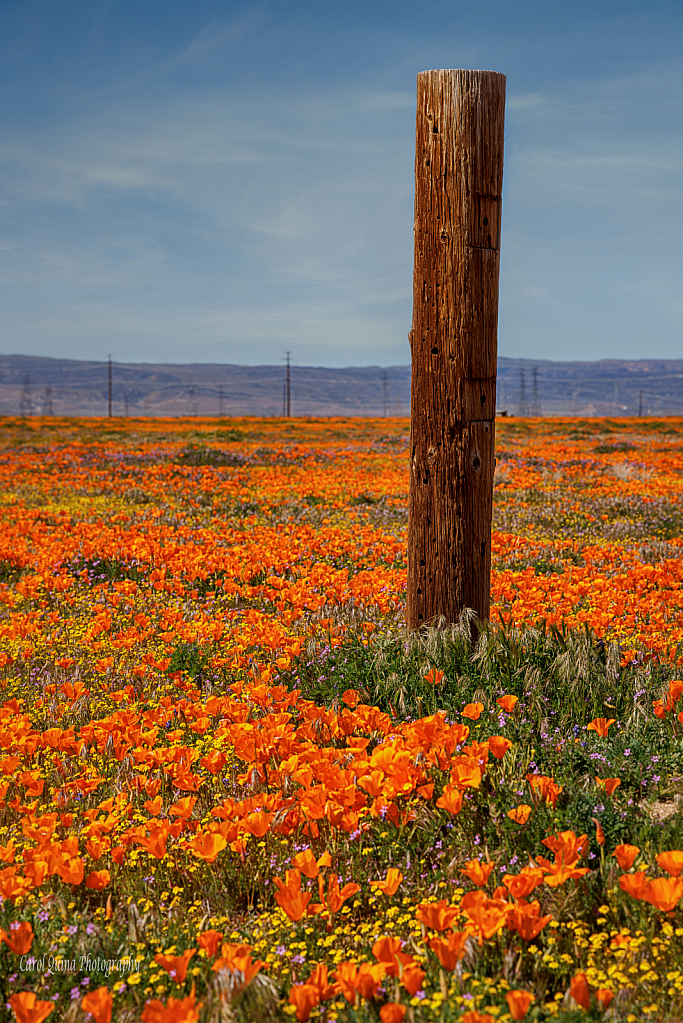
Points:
(234, 788)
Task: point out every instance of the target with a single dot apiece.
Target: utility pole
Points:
(220, 401)
(385, 394)
(288, 390)
(109, 386)
(640, 403)
(458, 187)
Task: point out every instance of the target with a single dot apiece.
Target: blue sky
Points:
(220, 181)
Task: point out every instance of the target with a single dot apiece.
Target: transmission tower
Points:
(47, 402)
(192, 400)
(535, 400)
(523, 407)
(385, 392)
(25, 403)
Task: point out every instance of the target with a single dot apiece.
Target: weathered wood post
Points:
(458, 185)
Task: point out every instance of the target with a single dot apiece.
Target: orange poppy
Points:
(175, 966)
(390, 884)
(518, 1003)
(20, 937)
(601, 726)
(392, 1012)
(626, 855)
(499, 746)
(450, 799)
(435, 677)
(609, 784)
(99, 1004)
(176, 1010)
(207, 845)
(604, 997)
(634, 884)
(508, 703)
(472, 711)
(437, 916)
(578, 990)
(304, 998)
(663, 892)
(450, 949)
(28, 1008)
(477, 872)
(671, 862)
(520, 814)
(98, 879)
(209, 941)
(522, 884)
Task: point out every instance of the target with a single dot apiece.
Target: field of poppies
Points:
(234, 788)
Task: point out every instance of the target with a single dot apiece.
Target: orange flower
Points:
(175, 966)
(304, 998)
(499, 746)
(508, 703)
(209, 941)
(290, 897)
(604, 997)
(545, 786)
(176, 1010)
(450, 949)
(99, 1004)
(599, 833)
(524, 918)
(518, 1003)
(19, 939)
(663, 893)
(450, 800)
(387, 951)
(412, 977)
(438, 916)
(207, 845)
(350, 697)
(601, 726)
(390, 884)
(522, 884)
(634, 884)
(476, 1017)
(671, 862)
(472, 711)
(98, 879)
(28, 1009)
(434, 676)
(477, 872)
(578, 989)
(609, 784)
(626, 855)
(363, 980)
(658, 709)
(520, 814)
(487, 915)
(306, 862)
(392, 1012)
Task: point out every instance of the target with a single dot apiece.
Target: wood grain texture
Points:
(458, 187)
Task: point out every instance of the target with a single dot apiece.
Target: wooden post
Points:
(458, 186)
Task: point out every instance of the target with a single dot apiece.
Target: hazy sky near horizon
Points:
(221, 181)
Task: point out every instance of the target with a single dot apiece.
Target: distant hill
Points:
(33, 386)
